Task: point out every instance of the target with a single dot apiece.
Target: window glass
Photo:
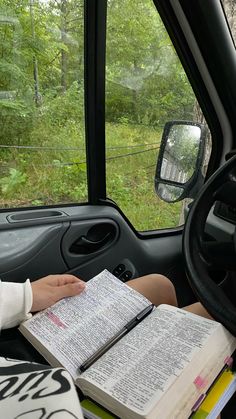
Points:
(42, 146)
(230, 11)
(146, 86)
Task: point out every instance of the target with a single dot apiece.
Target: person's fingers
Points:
(60, 279)
(52, 288)
(69, 290)
(69, 279)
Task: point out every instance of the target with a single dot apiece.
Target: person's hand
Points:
(52, 288)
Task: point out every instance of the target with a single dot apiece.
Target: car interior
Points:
(83, 238)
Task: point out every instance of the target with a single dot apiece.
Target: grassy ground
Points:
(130, 179)
(46, 176)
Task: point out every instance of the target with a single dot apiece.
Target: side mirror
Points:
(180, 160)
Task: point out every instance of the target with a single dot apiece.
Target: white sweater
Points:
(15, 303)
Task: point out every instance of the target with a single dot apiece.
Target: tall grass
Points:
(53, 174)
(130, 179)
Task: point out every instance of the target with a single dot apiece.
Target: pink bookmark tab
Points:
(200, 382)
(228, 361)
(198, 402)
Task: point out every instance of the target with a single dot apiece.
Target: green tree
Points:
(41, 57)
(145, 81)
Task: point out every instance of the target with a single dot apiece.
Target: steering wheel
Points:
(202, 255)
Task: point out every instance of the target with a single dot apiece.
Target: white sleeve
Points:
(15, 303)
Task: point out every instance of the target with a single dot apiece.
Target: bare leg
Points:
(157, 288)
(160, 290)
(198, 308)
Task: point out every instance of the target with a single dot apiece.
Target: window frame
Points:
(95, 58)
(210, 14)
(95, 13)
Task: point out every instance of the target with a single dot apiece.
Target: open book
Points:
(157, 370)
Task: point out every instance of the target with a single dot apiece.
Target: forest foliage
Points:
(42, 103)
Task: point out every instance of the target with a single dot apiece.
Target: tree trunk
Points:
(63, 41)
(37, 96)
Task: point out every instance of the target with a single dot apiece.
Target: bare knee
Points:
(198, 308)
(165, 290)
(156, 287)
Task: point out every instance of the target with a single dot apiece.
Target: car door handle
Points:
(86, 246)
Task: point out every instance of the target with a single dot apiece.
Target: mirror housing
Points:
(180, 161)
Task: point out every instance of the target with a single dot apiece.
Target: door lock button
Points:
(126, 276)
(119, 270)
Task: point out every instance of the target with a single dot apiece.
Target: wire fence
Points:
(40, 148)
(59, 164)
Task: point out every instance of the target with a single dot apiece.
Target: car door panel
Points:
(88, 239)
(41, 245)
(31, 251)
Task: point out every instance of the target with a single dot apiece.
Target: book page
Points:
(74, 328)
(140, 368)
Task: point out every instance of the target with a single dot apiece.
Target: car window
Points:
(42, 145)
(42, 136)
(146, 86)
(230, 11)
